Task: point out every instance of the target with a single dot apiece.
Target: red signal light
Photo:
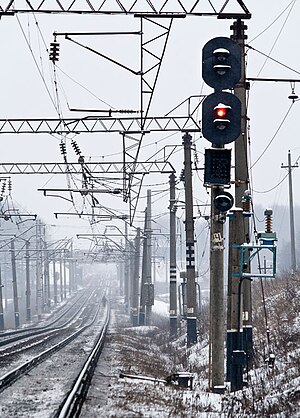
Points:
(221, 112)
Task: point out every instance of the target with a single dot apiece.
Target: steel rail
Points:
(31, 332)
(12, 376)
(72, 404)
(42, 331)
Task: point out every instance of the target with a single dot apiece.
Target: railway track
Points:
(58, 316)
(12, 344)
(57, 378)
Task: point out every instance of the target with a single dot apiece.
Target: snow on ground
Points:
(146, 351)
(161, 308)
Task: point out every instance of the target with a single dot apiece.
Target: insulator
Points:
(196, 160)
(124, 111)
(9, 185)
(63, 149)
(81, 159)
(182, 175)
(54, 51)
(75, 147)
(246, 203)
(268, 220)
(3, 188)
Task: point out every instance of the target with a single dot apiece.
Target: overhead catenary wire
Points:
(276, 39)
(274, 21)
(274, 136)
(273, 59)
(36, 64)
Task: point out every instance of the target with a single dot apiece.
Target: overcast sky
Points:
(273, 30)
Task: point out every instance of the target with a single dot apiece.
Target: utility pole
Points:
(55, 279)
(126, 269)
(217, 334)
(235, 353)
(47, 282)
(173, 281)
(142, 311)
(135, 281)
(47, 298)
(190, 243)
(149, 285)
(291, 206)
(121, 273)
(1, 304)
(241, 186)
(65, 275)
(61, 277)
(15, 284)
(28, 286)
(39, 274)
(71, 270)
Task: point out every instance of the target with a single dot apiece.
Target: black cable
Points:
(272, 23)
(274, 136)
(273, 59)
(277, 37)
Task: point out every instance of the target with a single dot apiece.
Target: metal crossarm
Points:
(94, 168)
(97, 125)
(157, 8)
(248, 252)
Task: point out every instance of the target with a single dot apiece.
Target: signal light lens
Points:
(221, 112)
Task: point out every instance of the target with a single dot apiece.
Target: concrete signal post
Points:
(221, 125)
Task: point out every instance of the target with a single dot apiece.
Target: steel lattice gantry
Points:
(132, 129)
(93, 124)
(133, 7)
(90, 167)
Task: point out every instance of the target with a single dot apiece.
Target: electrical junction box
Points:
(217, 167)
(267, 238)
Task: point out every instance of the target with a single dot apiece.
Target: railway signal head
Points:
(221, 118)
(223, 201)
(222, 112)
(221, 63)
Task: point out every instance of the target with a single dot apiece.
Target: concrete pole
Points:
(235, 350)
(135, 281)
(61, 285)
(28, 285)
(148, 233)
(5, 281)
(131, 274)
(190, 244)
(142, 311)
(65, 274)
(217, 321)
(71, 270)
(55, 278)
(292, 222)
(47, 281)
(121, 272)
(15, 285)
(47, 297)
(1, 304)
(291, 207)
(173, 281)
(39, 275)
(126, 270)
(241, 185)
